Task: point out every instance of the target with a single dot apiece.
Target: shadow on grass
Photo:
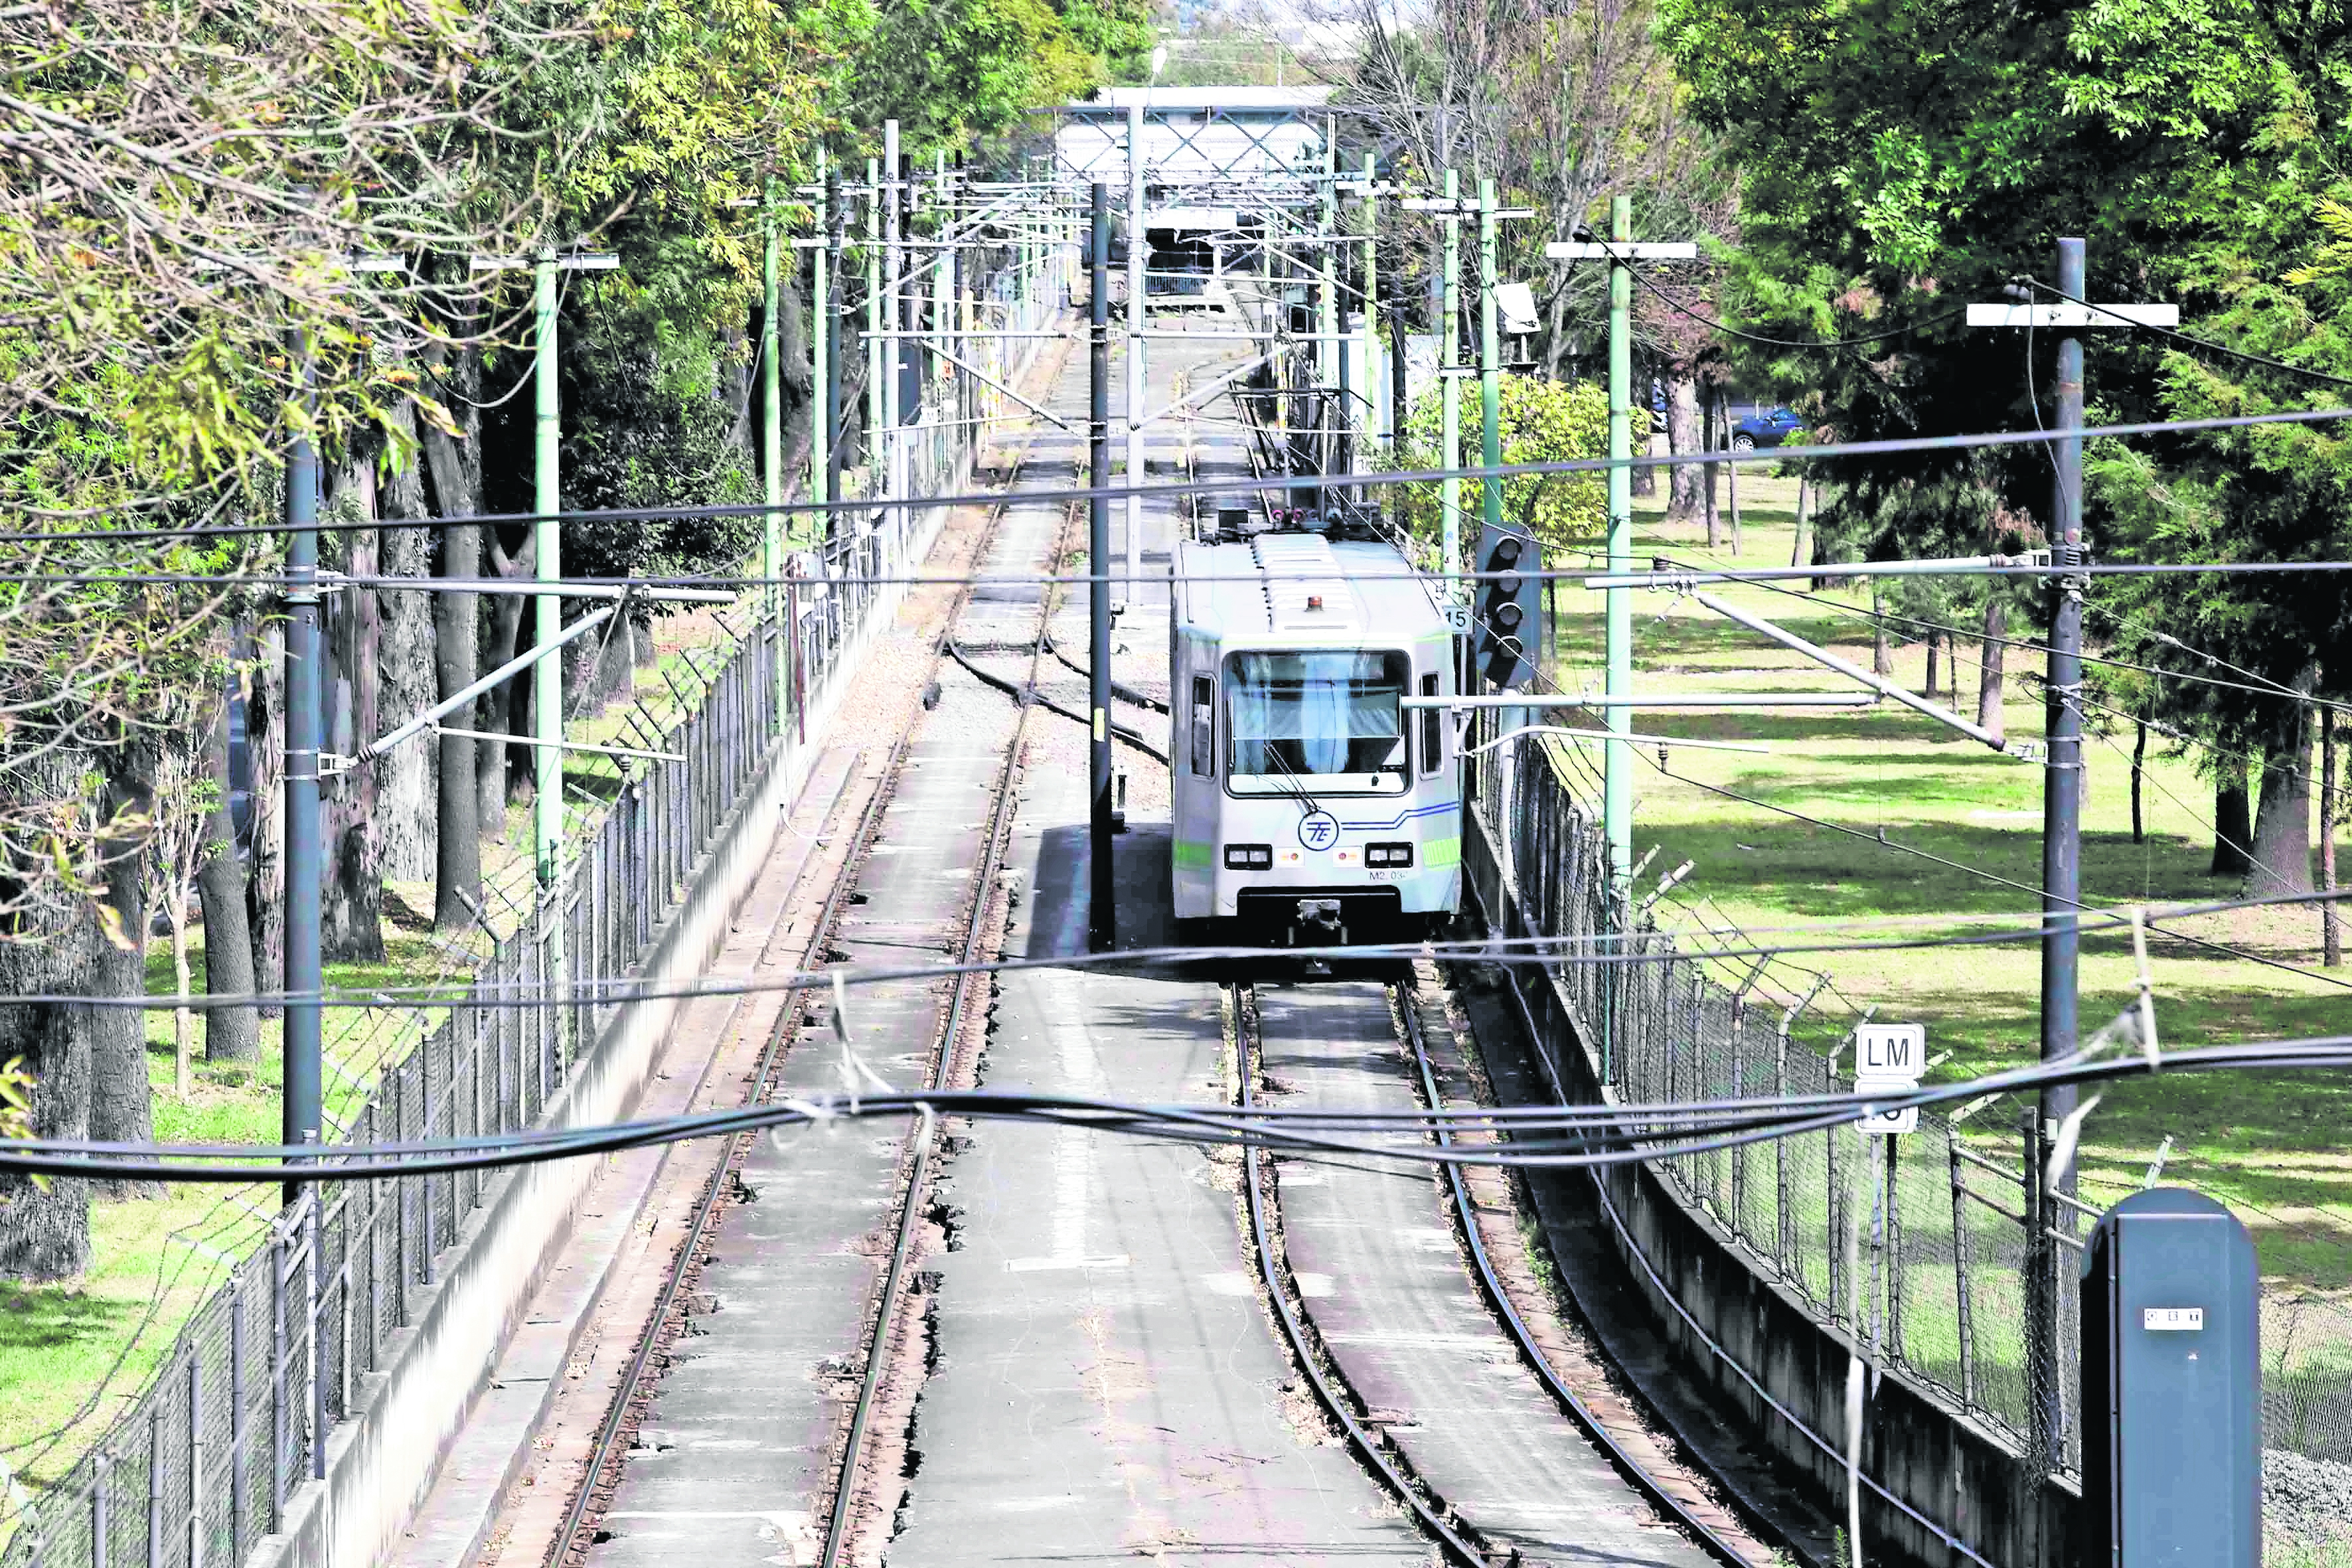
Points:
(46, 1319)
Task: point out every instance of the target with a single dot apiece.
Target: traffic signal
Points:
(1508, 605)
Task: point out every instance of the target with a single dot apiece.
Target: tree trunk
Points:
(2282, 862)
(231, 1034)
(502, 709)
(1731, 483)
(45, 1235)
(351, 903)
(1645, 475)
(2232, 820)
(1683, 435)
(1801, 546)
(799, 398)
(406, 815)
(2139, 766)
(121, 1102)
(2331, 926)
(1931, 665)
(1882, 652)
(1989, 675)
(458, 869)
(1713, 516)
(265, 750)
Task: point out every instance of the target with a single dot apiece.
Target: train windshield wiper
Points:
(1297, 786)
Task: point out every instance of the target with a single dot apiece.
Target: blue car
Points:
(1765, 427)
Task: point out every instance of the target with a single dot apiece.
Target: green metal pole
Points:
(547, 675)
(771, 441)
(1490, 363)
(820, 351)
(1370, 356)
(1617, 776)
(875, 349)
(1327, 303)
(1449, 361)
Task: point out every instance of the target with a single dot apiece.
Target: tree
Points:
(1543, 421)
(1898, 157)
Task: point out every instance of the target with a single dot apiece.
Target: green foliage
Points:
(1899, 156)
(1543, 421)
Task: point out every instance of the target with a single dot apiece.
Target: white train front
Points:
(1312, 804)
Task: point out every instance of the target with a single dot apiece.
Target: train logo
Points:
(1318, 830)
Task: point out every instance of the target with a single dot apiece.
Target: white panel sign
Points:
(2173, 1320)
(1887, 1123)
(1458, 619)
(1890, 1051)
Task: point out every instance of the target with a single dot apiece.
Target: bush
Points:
(1543, 422)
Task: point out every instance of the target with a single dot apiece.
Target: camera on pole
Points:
(1511, 606)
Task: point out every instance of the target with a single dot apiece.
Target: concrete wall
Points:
(381, 1462)
(1958, 1492)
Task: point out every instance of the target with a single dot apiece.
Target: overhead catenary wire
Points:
(1608, 1135)
(1243, 487)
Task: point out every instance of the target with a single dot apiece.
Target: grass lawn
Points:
(2270, 1144)
(74, 1354)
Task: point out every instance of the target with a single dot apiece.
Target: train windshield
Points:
(1322, 720)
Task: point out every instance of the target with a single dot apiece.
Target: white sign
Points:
(2173, 1320)
(1458, 619)
(1888, 1123)
(1890, 1051)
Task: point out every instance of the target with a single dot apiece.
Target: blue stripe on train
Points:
(1400, 818)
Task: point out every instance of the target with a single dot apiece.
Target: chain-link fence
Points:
(202, 1464)
(1921, 1244)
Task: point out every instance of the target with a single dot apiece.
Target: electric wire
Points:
(1888, 446)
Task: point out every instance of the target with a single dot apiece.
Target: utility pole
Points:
(1449, 360)
(1102, 919)
(877, 381)
(894, 321)
(299, 1104)
(820, 343)
(1137, 246)
(2062, 793)
(1490, 368)
(1617, 756)
(2062, 828)
(1327, 311)
(1371, 302)
(546, 501)
(771, 446)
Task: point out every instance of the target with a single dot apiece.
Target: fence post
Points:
(238, 1500)
(1965, 1308)
(102, 1474)
(155, 1485)
(277, 1376)
(196, 1460)
(1784, 1197)
(1894, 1248)
(317, 1226)
(1837, 1219)
(2043, 1407)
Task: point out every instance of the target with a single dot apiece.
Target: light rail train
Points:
(1309, 804)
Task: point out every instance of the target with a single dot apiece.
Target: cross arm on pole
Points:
(1630, 250)
(2072, 313)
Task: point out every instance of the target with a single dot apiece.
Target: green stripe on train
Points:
(1437, 854)
(1194, 856)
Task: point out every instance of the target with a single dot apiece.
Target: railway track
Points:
(578, 1533)
(1395, 1361)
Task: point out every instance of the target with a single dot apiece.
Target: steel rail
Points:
(608, 1434)
(1390, 1470)
(840, 1519)
(567, 1541)
(1490, 1285)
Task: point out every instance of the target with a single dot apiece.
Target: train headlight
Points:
(1249, 857)
(1388, 854)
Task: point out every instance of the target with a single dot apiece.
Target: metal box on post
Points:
(2172, 1407)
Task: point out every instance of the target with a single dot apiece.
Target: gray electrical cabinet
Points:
(2172, 1403)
